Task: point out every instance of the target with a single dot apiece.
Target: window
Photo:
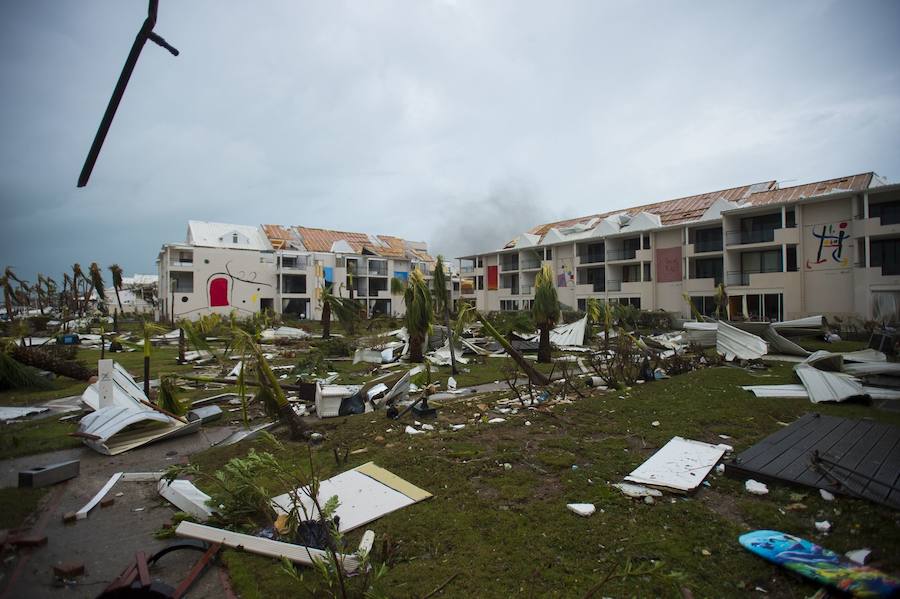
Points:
(294, 284)
(647, 271)
(548, 254)
(704, 304)
(593, 252)
(631, 301)
(756, 262)
(509, 305)
(234, 238)
(646, 242)
(708, 268)
(886, 255)
(888, 212)
(631, 273)
(708, 240)
(582, 305)
(479, 282)
(479, 263)
(791, 258)
(759, 229)
(765, 307)
(790, 219)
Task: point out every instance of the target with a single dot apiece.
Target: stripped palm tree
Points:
(10, 294)
(98, 284)
(78, 279)
(545, 310)
(117, 282)
(344, 308)
(69, 293)
(419, 313)
(442, 306)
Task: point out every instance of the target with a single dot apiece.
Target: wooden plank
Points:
(196, 570)
(762, 461)
(83, 512)
(295, 553)
(809, 475)
(763, 445)
(881, 481)
(779, 439)
(143, 570)
(799, 453)
(852, 468)
(393, 481)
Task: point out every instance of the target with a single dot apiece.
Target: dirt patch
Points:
(722, 504)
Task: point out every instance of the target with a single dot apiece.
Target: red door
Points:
(492, 277)
(218, 292)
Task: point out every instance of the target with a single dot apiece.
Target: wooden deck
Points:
(860, 458)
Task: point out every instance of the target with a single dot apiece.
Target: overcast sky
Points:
(460, 123)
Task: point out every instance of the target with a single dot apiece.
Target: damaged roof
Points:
(693, 208)
(327, 240)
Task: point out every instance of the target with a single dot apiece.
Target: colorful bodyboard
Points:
(820, 565)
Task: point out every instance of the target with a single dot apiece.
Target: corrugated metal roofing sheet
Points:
(799, 192)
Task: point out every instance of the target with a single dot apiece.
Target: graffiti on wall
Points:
(221, 286)
(828, 245)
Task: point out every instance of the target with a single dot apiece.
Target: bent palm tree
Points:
(98, 284)
(117, 282)
(442, 306)
(419, 313)
(545, 310)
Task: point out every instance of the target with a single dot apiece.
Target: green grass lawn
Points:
(507, 531)
(36, 436)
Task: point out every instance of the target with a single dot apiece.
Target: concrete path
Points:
(108, 539)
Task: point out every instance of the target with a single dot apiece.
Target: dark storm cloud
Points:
(458, 123)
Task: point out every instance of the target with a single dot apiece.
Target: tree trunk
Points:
(544, 355)
(147, 376)
(415, 349)
(118, 301)
(453, 369)
(116, 321)
(535, 376)
(182, 345)
(326, 320)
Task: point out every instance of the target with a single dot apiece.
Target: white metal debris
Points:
(633, 490)
(681, 465)
(186, 497)
(701, 333)
(859, 556)
(827, 386)
(284, 333)
(11, 413)
(823, 526)
(735, 343)
(364, 494)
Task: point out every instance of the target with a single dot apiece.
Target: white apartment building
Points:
(830, 247)
(226, 267)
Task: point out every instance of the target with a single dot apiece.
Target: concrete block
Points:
(42, 476)
(69, 517)
(69, 569)
(28, 540)
(108, 501)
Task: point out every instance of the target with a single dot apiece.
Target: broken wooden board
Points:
(262, 546)
(83, 512)
(859, 458)
(365, 493)
(680, 466)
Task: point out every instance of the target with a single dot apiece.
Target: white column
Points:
(105, 382)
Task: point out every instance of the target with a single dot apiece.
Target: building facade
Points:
(225, 267)
(831, 247)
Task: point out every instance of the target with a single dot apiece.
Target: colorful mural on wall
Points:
(221, 287)
(565, 276)
(828, 246)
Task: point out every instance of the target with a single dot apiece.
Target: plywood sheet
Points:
(681, 465)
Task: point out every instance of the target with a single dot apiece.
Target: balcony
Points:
(182, 263)
(512, 290)
(707, 245)
(748, 237)
(613, 285)
(739, 278)
(591, 258)
(296, 264)
(508, 265)
(378, 269)
(467, 269)
(526, 290)
(623, 254)
(530, 264)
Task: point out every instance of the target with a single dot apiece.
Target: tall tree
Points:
(545, 310)
(442, 306)
(98, 284)
(78, 281)
(344, 308)
(419, 313)
(117, 282)
(10, 294)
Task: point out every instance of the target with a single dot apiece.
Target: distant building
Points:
(138, 295)
(831, 247)
(224, 267)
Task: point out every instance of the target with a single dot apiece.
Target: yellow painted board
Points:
(393, 481)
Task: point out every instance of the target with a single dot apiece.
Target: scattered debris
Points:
(859, 556)
(637, 491)
(823, 526)
(42, 476)
(755, 487)
(364, 494)
(681, 465)
(826, 495)
(582, 509)
(186, 497)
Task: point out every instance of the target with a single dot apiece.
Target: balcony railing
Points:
(529, 264)
(599, 286)
(514, 290)
(739, 277)
(592, 258)
(187, 263)
(378, 269)
(626, 254)
(505, 266)
(467, 269)
(293, 264)
(526, 290)
(707, 245)
(613, 285)
(745, 237)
